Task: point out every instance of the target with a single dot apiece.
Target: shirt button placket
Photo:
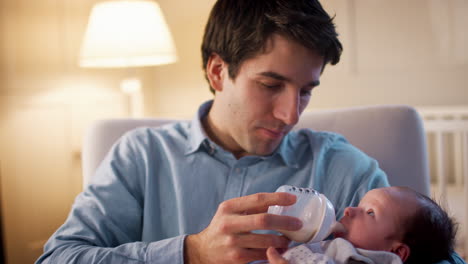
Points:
(235, 183)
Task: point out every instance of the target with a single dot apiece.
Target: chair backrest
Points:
(392, 134)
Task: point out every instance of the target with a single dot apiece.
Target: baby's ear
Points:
(402, 250)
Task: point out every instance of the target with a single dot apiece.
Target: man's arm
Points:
(227, 239)
(105, 223)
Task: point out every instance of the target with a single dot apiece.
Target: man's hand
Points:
(228, 238)
(274, 257)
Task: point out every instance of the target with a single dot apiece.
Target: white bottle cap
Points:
(315, 211)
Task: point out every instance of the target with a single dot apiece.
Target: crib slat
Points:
(458, 157)
(441, 181)
(465, 186)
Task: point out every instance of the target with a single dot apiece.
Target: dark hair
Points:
(430, 232)
(238, 29)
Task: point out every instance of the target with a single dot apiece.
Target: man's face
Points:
(378, 221)
(252, 113)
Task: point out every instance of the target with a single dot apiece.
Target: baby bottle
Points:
(314, 209)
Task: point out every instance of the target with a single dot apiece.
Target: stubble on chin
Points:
(264, 147)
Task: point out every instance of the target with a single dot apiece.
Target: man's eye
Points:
(370, 212)
(306, 92)
(271, 86)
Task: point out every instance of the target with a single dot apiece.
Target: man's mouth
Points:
(273, 133)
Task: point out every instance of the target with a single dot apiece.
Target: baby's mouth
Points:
(339, 230)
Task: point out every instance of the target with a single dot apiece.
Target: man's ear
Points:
(214, 71)
(402, 250)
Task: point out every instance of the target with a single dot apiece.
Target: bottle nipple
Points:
(338, 227)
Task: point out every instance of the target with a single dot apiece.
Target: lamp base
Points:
(132, 88)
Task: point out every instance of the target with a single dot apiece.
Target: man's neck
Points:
(215, 133)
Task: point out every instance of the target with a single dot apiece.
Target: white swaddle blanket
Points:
(337, 251)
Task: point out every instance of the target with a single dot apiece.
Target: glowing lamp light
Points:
(131, 33)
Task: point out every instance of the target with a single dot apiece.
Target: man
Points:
(197, 192)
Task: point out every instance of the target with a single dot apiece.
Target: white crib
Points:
(447, 133)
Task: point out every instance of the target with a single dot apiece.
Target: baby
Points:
(399, 220)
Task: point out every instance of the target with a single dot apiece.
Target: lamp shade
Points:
(127, 34)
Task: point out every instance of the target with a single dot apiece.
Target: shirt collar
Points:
(197, 134)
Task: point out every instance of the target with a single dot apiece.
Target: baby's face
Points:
(378, 220)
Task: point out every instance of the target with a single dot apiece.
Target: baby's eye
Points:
(370, 212)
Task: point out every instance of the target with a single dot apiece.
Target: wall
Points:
(410, 52)
(182, 82)
(46, 102)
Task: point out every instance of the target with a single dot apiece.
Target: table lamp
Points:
(127, 33)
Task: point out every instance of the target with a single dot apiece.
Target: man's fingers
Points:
(229, 233)
(258, 241)
(264, 221)
(256, 203)
(274, 257)
(247, 255)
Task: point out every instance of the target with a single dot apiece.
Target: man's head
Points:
(239, 29)
(262, 60)
(402, 221)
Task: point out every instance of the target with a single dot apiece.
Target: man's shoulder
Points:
(171, 129)
(177, 131)
(327, 146)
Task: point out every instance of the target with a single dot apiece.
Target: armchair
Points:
(392, 134)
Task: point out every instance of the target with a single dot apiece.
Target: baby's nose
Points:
(350, 211)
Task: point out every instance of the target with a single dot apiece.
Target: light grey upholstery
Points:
(392, 134)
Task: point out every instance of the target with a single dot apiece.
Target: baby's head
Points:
(402, 221)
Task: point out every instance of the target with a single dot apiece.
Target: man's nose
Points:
(286, 108)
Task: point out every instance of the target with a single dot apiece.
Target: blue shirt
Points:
(159, 184)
